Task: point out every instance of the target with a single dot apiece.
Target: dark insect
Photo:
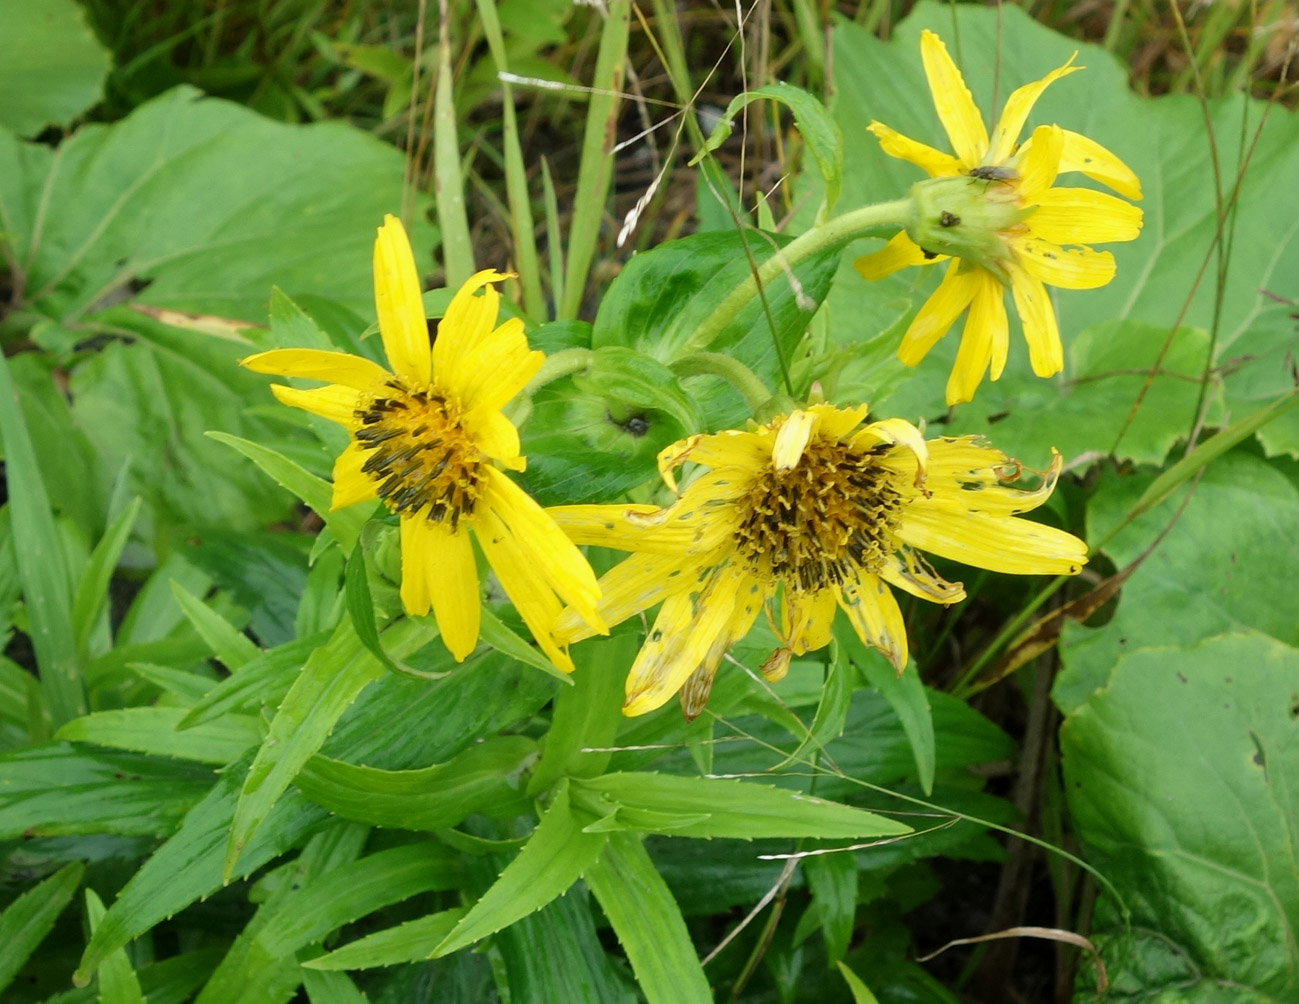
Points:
(929, 255)
(989, 173)
(947, 219)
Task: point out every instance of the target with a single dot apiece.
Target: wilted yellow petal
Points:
(1068, 268)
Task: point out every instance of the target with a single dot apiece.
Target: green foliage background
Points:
(232, 773)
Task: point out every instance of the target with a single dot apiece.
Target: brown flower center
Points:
(822, 522)
(421, 454)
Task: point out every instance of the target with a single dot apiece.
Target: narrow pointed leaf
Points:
(648, 923)
(92, 591)
(234, 648)
(408, 942)
(263, 680)
(738, 809)
(28, 919)
(118, 983)
(555, 856)
(153, 730)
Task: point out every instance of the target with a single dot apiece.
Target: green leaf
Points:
(662, 297)
(481, 779)
(1179, 776)
(188, 866)
(587, 715)
(408, 942)
(360, 607)
(555, 856)
(57, 790)
(118, 983)
(1224, 566)
(154, 731)
(861, 993)
(832, 879)
(40, 564)
(28, 919)
(228, 643)
(711, 807)
(505, 641)
(263, 680)
(92, 591)
(344, 524)
(52, 68)
(906, 696)
(820, 132)
(648, 923)
(331, 988)
(329, 683)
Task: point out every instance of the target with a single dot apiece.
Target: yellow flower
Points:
(820, 510)
(428, 437)
(1005, 223)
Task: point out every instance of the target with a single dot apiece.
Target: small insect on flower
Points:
(812, 512)
(430, 440)
(1013, 225)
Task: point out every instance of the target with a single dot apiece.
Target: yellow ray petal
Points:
(350, 484)
(901, 432)
(807, 619)
(1015, 114)
(414, 561)
(792, 438)
(997, 543)
(335, 402)
(1037, 316)
(835, 422)
(934, 162)
(1040, 163)
(452, 576)
(1081, 216)
(986, 493)
(630, 588)
(951, 297)
(469, 319)
(315, 364)
(1096, 162)
(496, 436)
(900, 252)
(498, 368)
(688, 636)
(953, 102)
(1073, 268)
(874, 614)
(983, 340)
(910, 572)
(604, 525)
(545, 551)
(716, 450)
(398, 299)
(532, 597)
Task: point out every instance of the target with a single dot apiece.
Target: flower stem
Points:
(560, 364)
(734, 372)
(833, 233)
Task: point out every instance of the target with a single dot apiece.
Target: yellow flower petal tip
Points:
(428, 438)
(992, 206)
(809, 513)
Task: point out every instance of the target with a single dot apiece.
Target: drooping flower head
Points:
(810, 512)
(429, 438)
(991, 206)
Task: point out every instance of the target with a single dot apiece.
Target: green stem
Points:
(734, 372)
(560, 364)
(833, 233)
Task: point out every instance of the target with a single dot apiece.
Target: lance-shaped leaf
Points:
(27, 920)
(153, 730)
(118, 983)
(648, 923)
(555, 856)
(712, 807)
(408, 942)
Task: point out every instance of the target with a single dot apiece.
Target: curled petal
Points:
(335, 402)
(910, 572)
(792, 439)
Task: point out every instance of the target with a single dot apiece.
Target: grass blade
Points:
(457, 247)
(597, 158)
(92, 591)
(28, 919)
(46, 590)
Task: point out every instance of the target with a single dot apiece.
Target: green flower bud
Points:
(964, 217)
